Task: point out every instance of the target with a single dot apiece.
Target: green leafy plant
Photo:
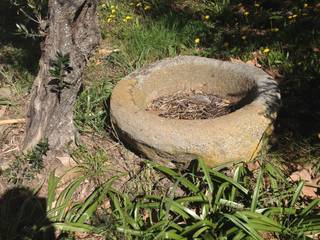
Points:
(25, 166)
(34, 12)
(92, 164)
(68, 214)
(60, 67)
(91, 107)
(5, 102)
(216, 206)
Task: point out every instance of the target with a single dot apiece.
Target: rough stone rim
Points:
(268, 99)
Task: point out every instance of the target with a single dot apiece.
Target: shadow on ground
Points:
(23, 216)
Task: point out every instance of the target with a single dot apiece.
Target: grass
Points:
(93, 165)
(214, 206)
(91, 107)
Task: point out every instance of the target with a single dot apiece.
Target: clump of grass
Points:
(143, 36)
(215, 207)
(70, 215)
(146, 43)
(93, 165)
(26, 166)
(91, 107)
(19, 80)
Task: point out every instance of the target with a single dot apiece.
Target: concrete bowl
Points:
(234, 137)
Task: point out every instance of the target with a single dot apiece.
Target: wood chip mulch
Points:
(191, 105)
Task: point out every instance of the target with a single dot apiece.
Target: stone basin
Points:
(234, 137)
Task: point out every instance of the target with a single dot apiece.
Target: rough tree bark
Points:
(72, 29)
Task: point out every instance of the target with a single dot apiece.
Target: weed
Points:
(26, 166)
(69, 215)
(91, 107)
(93, 165)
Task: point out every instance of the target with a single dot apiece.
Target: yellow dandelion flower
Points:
(266, 50)
(295, 15)
(246, 13)
(109, 20)
(112, 16)
(305, 5)
(257, 5)
(103, 5)
(197, 40)
(147, 7)
(113, 11)
(274, 29)
(127, 18)
(113, 6)
(206, 17)
(290, 17)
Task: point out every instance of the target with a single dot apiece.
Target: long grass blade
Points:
(246, 228)
(296, 194)
(206, 173)
(52, 188)
(185, 182)
(74, 227)
(230, 180)
(255, 197)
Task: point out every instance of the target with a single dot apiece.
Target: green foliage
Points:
(91, 107)
(17, 70)
(26, 166)
(157, 40)
(69, 215)
(59, 69)
(5, 102)
(146, 40)
(93, 165)
(34, 13)
(215, 207)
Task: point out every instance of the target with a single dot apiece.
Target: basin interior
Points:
(229, 82)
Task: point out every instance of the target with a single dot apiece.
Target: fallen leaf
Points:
(305, 174)
(252, 166)
(67, 161)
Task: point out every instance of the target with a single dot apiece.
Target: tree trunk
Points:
(72, 31)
